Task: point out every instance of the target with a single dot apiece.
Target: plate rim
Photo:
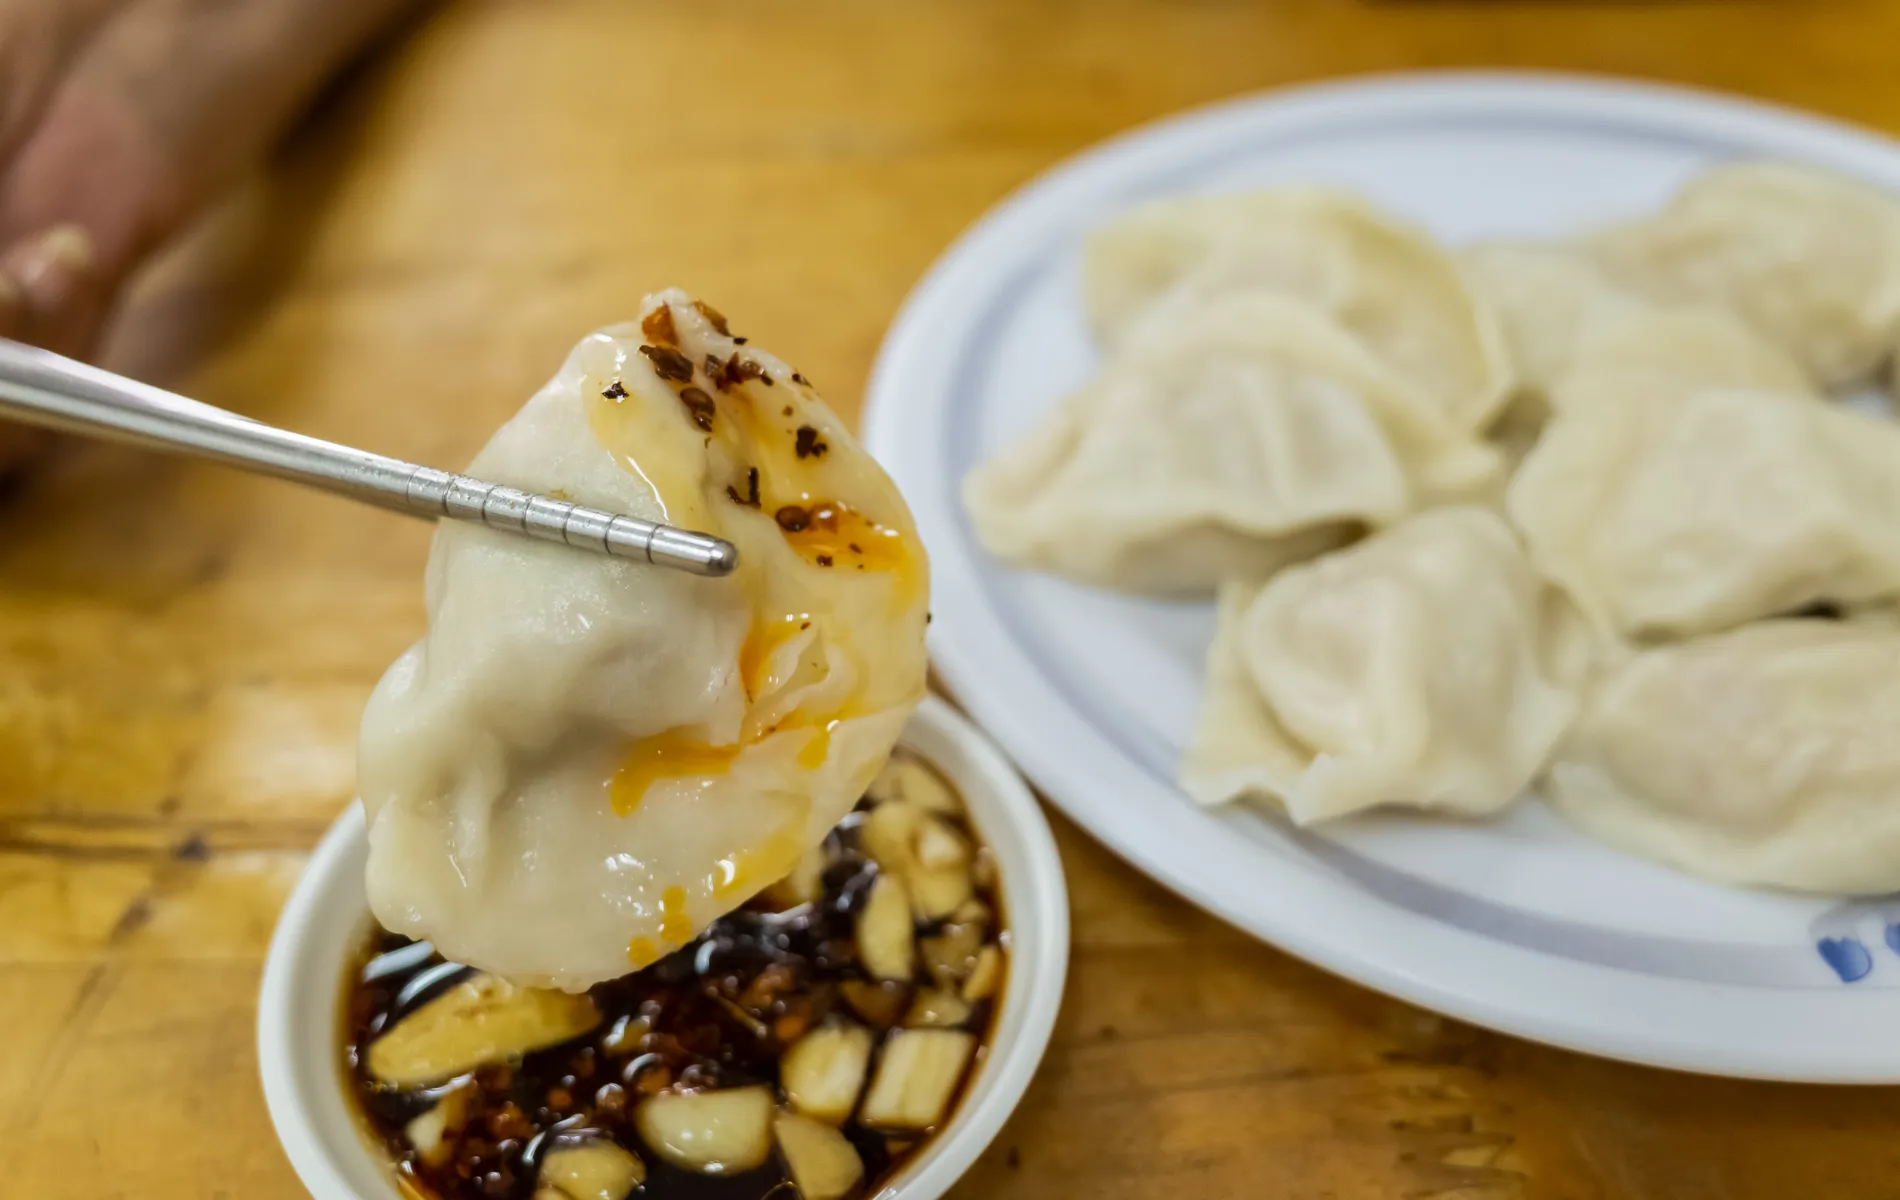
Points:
(1683, 1014)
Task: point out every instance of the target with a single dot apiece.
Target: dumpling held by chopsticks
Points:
(586, 760)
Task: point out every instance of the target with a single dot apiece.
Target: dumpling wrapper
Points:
(1652, 356)
(1718, 507)
(1382, 279)
(586, 760)
(1658, 353)
(1766, 755)
(1546, 296)
(1810, 258)
(1227, 436)
(1576, 335)
(1427, 666)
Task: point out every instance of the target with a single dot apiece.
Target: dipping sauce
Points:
(805, 1045)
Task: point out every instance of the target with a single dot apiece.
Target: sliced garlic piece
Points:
(822, 1163)
(889, 836)
(595, 1169)
(937, 1008)
(885, 943)
(938, 844)
(431, 1132)
(973, 912)
(950, 956)
(985, 975)
(907, 780)
(878, 1003)
(935, 893)
(917, 1077)
(483, 1019)
(714, 1133)
(824, 1071)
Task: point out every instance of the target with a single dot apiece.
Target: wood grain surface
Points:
(184, 652)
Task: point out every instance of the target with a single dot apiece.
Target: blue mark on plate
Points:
(1848, 956)
(1843, 933)
(1838, 934)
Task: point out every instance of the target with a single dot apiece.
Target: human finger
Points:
(58, 296)
(39, 41)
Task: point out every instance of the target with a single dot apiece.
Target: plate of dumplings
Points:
(1448, 526)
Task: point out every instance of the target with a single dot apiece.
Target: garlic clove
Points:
(483, 1019)
(917, 1077)
(824, 1071)
(595, 1169)
(713, 1133)
(823, 1164)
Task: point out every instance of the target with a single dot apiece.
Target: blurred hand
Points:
(119, 119)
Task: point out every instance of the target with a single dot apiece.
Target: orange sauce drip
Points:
(774, 860)
(813, 753)
(830, 529)
(763, 641)
(642, 953)
(674, 754)
(676, 928)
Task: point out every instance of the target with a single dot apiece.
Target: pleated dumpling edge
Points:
(1227, 436)
(1428, 667)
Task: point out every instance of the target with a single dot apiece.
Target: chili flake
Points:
(738, 370)
(700, 405)
(659, 327)
(751, 497)
(668, 363)
(809, 444)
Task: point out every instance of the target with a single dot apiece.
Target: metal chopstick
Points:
(41, 388)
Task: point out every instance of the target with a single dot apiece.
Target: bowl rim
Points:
(1035, 897)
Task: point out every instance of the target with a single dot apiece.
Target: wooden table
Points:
(184, 652)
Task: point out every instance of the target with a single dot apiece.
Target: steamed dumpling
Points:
(586, 760)
(1546, 295)
(1564, 315)
(1718, 507)
(1658, 353)
(1225, 437)
(1768, 755)
(1580, 338)
(1383, 280)
(1810, 258)
(1427, 666)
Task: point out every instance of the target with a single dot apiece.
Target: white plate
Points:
(1520, 925)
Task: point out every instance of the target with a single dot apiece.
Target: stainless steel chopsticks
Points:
(41, 388)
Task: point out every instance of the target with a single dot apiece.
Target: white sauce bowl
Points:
(300, 1025)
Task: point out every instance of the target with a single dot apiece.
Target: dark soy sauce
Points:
(717, 1013)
